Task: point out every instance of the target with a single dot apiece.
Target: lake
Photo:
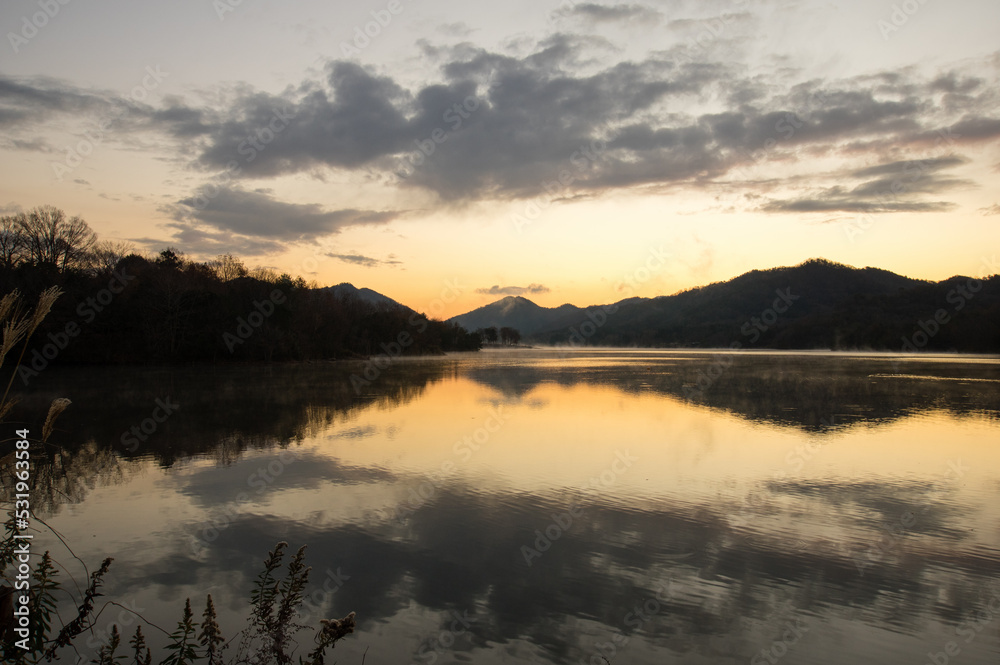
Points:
(543, 506)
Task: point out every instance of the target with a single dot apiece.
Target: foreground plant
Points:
(17, 326)
(267, 639)
(272, 625)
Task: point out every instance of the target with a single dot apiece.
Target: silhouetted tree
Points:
(227, 267)
(507, 335)
(169, 258)
(11, 242)
(106, 254)
(50, 238)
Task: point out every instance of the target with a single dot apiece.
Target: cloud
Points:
(220, 219)
(833, 204)
(358, 118)
(911, 166)
(44, 103)
(910, 176)
(33, 145)
(569, 117)
(205, 244)
(497, 290)
(976, 127)
(506, 140)
(991, 210)
(890, 187)
(536, 121)
(183, 121)
(457, 29)
(955, 82)
(25, 101)
(256, 214)
(597, 13)
(365, 261)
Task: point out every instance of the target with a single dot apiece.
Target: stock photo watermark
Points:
(246, 327)
(138, 434)
(753, 329)
(455, 117)
(631, 282)
(249, 148)
(958, 298)
(313, 605)
(363, 35)
(463, 449)
(893, 533)
(432, 646)
(794, 630)
(912, 173)
(30, 25)
(898, 17)
(260, 479)
(76, 154)
(969, 629)
(562, 522)
(634, 619)
(394, 349)
(581, 159)
(87, 311)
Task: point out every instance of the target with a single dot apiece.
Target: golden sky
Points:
(442, 151)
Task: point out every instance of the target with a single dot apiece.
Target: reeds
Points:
(17, 326)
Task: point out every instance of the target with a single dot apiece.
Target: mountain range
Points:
(817, 304)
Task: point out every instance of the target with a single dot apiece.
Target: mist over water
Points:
(556, 506)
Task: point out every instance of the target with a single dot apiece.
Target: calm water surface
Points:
(539, 507)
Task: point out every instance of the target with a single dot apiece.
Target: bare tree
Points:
(228, 267)
(11, 241)
(107, 253)
(51, 238)
(264, 274)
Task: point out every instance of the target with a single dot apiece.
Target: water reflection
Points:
(806, 390)
(222, 414)
(803, 494)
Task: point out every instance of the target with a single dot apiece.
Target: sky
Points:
(451, 153)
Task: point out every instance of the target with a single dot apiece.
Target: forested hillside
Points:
(120, 307)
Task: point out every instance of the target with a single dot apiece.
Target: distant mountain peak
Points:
(512, 311)
(346, 289)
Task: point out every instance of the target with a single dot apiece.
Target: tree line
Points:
(505, 335)
(119, 306)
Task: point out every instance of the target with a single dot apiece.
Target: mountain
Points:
(515, 312)
(716, 315)
(817, 304)
(346, 289)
